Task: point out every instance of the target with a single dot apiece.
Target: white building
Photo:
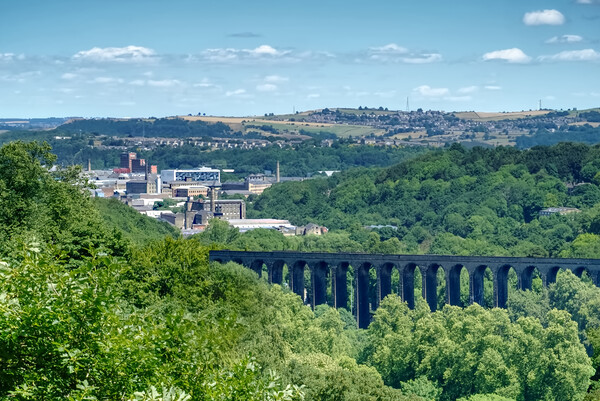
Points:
(202, 174)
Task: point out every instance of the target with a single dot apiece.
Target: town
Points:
(190, 198)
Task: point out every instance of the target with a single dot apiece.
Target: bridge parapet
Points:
(335, 267)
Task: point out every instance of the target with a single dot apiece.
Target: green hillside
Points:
(87, 315)
(133, 226)
(458, 201)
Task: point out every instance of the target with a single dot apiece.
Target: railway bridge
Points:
(335, 267)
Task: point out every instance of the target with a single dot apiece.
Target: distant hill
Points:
(161, 127)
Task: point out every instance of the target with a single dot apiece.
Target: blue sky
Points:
(157, 58)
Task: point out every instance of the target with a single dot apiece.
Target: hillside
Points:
(88, 315)
(458, 201)
(133, 226)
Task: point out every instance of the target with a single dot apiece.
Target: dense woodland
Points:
(90, 309)
(458, 201)
(150, 128)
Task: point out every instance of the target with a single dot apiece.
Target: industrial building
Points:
(202, 174)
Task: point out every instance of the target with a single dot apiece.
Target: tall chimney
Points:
(277, 177)
(89, 164)
(213, 199)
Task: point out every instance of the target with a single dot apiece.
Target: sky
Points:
(142, 58)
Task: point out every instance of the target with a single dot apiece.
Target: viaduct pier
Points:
(335, 268)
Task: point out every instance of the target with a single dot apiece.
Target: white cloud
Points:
(264, 49)
(544, 17)
(513, 55)
(137, 82)
(128, 54)
(276, 79)
(68, 76)
(6, 56)
(11, 57)
(468, 89)
(266, 88)
(493, 87)
(574, 55)
(165, 83)
(428, 91)
(205, 83)
(565, 39)
(236, 92)
(230, 54)
(394, 53)
(391, 48)
(21, 77)
(313, 96)
(423, 59)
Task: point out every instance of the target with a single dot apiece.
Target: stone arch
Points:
(238, 261)
(431, 285)
(257, 266)
(319, 274)
(363, 308)
(408, 284)
(552, 273)
(527, 276)
(276, 272)
(454, 287)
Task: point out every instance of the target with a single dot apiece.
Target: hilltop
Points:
(368, 126)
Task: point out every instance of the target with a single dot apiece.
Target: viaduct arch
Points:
(337, 265)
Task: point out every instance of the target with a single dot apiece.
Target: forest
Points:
(92, 310)
(150, 128)
(459, 201)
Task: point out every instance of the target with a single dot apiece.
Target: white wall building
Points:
(201, 174)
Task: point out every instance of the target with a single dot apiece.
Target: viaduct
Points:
(336, 266)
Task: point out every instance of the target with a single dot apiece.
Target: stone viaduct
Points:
(336, 266)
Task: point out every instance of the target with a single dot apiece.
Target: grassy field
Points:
(576, 112)
(483, 116)
(369, 111)
(595, 125)
(341, 130)
(240, 123)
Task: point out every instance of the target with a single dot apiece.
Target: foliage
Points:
(131, 225)
(458, 202)
(86, 313)
(473, 350)
(300, 160)
(161, 127)
(50, 206)
(573, 133)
